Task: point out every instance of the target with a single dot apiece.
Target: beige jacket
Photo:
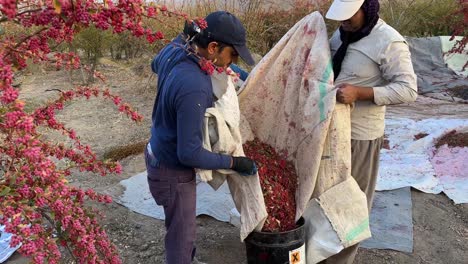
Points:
(381, 60)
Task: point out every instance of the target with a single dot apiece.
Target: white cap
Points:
(342, 10)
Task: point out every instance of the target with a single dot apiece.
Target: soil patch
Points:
(121, 152)
(386, 143)
(453, 139)
(460, 92)
(420, 135)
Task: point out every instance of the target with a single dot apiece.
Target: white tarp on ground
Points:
(137, 198)
(5, 250)
(387, 232)
(408, 161)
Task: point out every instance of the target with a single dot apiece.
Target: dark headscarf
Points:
(371, 12)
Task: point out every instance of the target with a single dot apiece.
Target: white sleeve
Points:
(396, 67)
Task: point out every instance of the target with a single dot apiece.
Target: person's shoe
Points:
(196, 261)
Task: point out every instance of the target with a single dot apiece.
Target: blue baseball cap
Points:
(225, 27)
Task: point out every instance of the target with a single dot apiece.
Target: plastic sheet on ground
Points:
(430, 65)
(395, 232)
(219, 205)
(5, 250)
(137, 198)
(387, 232)
(408, 161)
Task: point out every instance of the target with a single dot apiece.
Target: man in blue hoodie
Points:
(175, 148)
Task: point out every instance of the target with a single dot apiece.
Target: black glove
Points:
(244, 166)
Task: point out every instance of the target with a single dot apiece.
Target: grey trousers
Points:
(175, 190)
(364, 168)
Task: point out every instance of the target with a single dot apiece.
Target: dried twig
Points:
(52, 90)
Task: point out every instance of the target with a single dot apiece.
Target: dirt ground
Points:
(440, 227)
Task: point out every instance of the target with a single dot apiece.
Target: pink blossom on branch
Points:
(201, 23)
(460, 30)
(37, 204)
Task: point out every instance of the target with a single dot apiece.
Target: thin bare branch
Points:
(53, 90)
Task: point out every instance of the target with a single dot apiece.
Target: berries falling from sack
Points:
(278, 180)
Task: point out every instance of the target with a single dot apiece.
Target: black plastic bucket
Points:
(277, 248)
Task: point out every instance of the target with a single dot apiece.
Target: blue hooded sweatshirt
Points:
(184, 93)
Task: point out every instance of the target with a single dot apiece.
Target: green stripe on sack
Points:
(355, 232)
(323, 89)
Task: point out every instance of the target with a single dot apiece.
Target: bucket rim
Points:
(300, 224)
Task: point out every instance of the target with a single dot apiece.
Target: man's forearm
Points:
(365, 93)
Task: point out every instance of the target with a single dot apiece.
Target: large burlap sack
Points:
(337, 219)
(221, 134)
(288, 101)
(289, 98)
